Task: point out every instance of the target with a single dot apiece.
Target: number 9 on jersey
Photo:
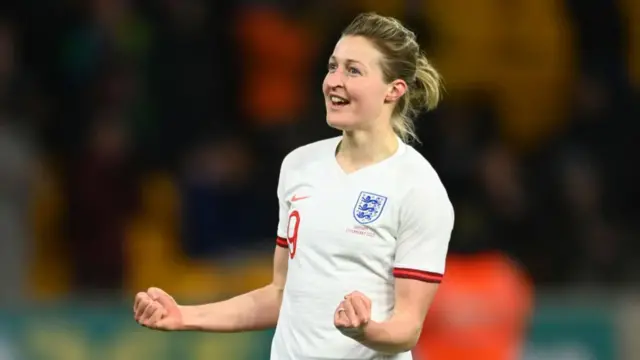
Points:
(292, 232)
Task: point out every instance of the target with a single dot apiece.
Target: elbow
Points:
(399, 347)
(277, 288)
(277, 292)
(411, 340)
(403, 342)
(399, 334)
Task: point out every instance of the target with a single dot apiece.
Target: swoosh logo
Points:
(297, 198)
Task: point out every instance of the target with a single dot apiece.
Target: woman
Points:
(364, 222)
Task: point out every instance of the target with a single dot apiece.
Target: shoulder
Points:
(306, 154)
(421, 184)
(419, 175)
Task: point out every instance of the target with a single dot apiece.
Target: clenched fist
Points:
(353, 315)
(157, 310)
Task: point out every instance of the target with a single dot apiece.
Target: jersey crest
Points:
(368, 207)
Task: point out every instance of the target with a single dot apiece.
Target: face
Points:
(356, 95)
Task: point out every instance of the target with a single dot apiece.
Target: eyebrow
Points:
(347, 60)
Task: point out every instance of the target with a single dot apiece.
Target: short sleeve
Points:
(425, 225)
(283, 205)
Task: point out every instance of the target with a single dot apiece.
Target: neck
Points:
(361, 148)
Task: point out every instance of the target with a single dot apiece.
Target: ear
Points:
(397, 88)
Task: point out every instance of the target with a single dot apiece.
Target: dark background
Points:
(140, 141)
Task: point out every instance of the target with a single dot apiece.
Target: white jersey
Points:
(348, 232)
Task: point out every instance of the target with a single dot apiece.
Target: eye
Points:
(353, 71)
(332, 67)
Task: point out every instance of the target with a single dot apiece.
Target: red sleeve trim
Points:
(421, 275)
(282, 242)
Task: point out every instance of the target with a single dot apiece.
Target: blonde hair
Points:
(402, 59)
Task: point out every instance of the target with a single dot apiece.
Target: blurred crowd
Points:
(142, 138)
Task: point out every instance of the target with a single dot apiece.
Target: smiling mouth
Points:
(338, 101)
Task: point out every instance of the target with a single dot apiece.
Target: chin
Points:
(341, 121)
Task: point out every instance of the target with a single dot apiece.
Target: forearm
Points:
(393, 336)
(255, 310)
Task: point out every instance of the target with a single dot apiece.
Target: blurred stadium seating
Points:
(140, 144)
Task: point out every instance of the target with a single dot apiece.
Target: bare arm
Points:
(401, 332)
(255, 310)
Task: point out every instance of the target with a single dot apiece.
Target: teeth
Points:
(337, 100)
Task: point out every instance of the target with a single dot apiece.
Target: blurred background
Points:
(140, 145)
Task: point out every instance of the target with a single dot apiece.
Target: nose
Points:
(334, 79)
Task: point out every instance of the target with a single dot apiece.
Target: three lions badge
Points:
(368, 207)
